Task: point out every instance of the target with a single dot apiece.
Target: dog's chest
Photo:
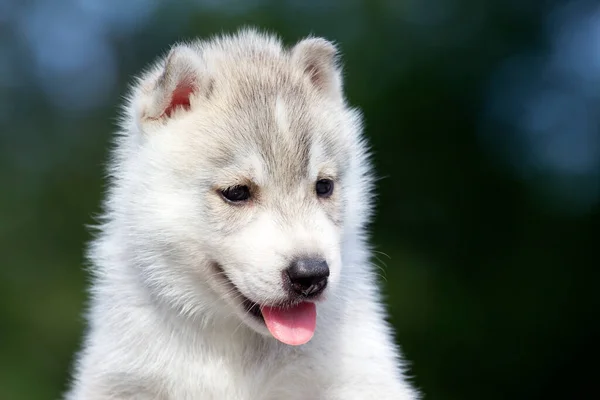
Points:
(245, 375)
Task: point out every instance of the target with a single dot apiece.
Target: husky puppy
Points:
(231, 259)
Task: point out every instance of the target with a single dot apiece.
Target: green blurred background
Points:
(484, 117)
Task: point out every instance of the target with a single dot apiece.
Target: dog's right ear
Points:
(173, 89)
(318, 59)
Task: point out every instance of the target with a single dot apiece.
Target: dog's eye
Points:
(236, 193)
(324, 187)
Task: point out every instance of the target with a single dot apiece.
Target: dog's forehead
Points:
(280, 136)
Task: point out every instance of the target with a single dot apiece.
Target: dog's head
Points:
(244, 171)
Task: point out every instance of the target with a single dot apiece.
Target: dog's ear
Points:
(318, 59)
(181, 77)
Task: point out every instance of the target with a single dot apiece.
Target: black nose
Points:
(308, 276)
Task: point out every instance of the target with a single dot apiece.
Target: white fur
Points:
(163, 324)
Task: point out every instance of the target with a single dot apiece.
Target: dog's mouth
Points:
(250, 307)
(291, 322)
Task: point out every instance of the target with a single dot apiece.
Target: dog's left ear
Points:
(318, 59)
(169, 90)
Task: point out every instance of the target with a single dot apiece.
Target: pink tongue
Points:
(293, 326)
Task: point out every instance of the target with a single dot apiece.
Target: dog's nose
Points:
(308, 276)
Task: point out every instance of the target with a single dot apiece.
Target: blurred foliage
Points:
(486, 241)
